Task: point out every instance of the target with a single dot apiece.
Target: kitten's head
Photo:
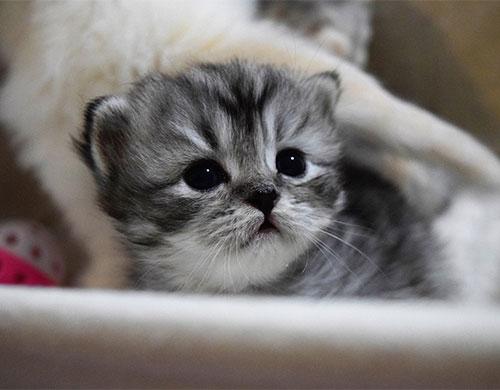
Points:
(218, 178)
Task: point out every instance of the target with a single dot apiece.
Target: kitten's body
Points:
(340, 229)
(379, 246)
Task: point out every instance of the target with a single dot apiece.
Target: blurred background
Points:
(445, 56)
(442, 55)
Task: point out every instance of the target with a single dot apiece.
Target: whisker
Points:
(239, 262)
(341, 230)
(320, 244)
(209, 266)
(359, 251)
(339, 222)
(197, 267)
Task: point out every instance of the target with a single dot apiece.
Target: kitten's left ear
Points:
(104, 138)
(327, 87)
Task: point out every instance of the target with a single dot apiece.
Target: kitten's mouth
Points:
(267, 227)
(265, 232)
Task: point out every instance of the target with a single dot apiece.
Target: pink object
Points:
(15, 270)
(29, 255)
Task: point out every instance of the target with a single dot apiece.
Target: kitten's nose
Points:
(263, 200)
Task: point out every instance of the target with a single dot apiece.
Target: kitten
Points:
(230, 178)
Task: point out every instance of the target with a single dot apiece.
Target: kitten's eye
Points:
(291, 162)
(204, 175)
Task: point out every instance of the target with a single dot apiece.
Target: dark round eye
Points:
(291, 162)
(203, 175)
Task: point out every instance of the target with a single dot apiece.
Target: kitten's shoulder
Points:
(370, 196)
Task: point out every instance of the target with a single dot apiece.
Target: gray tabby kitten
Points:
(230, 178)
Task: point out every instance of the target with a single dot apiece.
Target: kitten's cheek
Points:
(283, 224)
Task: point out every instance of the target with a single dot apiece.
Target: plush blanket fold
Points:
(76, 338)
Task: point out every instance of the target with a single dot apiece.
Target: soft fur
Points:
(62, 54)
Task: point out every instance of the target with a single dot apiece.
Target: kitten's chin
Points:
(265, 259)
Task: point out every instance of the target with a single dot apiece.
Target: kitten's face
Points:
(220, 178)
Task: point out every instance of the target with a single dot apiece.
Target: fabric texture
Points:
(70, 338)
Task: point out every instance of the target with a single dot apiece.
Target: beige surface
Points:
(61, 338)
(444, 55)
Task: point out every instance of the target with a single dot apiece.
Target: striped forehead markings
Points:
(194, 137)
(208, 133)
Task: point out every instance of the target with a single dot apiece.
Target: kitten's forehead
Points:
(239, 113)
(234, 99)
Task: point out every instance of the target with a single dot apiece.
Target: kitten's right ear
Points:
(104, 137)
(327, 86)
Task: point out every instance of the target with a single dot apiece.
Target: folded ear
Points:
(104, 138)
(326, 88)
